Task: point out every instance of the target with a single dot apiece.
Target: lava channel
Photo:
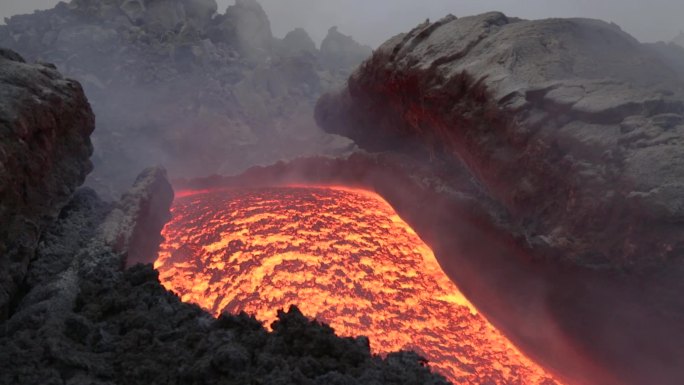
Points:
(344, 257)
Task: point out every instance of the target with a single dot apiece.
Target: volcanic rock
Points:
(573, 126)
(171, 83)
(45, 148)
(140, 217)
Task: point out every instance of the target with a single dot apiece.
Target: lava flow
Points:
(343, 257)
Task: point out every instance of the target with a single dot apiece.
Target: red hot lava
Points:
(343, 257)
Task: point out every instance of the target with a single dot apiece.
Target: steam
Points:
(372, 22)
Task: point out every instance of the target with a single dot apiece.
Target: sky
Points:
(374, 21)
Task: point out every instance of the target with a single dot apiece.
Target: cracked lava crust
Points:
(344, 257)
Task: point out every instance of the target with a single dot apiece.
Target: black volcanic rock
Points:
(45, 123)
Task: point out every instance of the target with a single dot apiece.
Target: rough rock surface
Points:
(571, 125)
(143, 212)
(173, 83)
(87, 320)
(45, 125)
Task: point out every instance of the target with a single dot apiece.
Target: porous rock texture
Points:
(181, 83)
(569, 137)
(45, 126)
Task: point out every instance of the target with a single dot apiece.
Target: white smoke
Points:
(372, 22)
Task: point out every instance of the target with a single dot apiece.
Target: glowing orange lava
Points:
(342, 256)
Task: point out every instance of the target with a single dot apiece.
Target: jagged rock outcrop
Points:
(45, 123)
(171, 83)
(573, 126)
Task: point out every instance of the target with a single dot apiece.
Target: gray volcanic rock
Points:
(573, 126)
(171, 83)
(45, 148)
(572, 133)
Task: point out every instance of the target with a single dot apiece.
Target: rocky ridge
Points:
(173, 82)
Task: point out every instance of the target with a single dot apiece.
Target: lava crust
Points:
(345, 258)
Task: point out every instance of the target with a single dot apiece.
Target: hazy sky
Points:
(373, 21)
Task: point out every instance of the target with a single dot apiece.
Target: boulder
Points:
(571, 125)
(45, 147)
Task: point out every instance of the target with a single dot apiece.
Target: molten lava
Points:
(343, 257)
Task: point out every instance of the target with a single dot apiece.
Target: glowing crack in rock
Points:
(344, 257)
